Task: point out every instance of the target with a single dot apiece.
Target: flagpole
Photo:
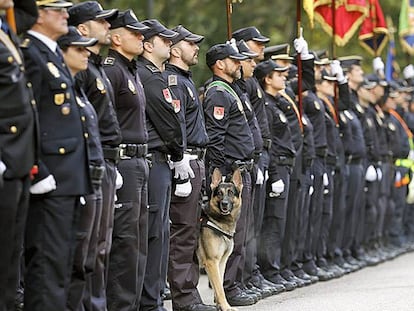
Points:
(336, 99)
(298, 59)
(229, 11)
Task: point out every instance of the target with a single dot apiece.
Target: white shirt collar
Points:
(51, 44)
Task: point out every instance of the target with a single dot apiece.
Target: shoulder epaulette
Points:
(25, 43)
(152, 68)
(172, 80)
(109, 61)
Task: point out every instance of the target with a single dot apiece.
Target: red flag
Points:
(349, 14)
(373, 35)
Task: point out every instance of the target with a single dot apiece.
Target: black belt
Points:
(133, 150)
(321, 152)
(282, 160)
(267, 144)
(157, 156)
(111, 153)
(331, 160)
(352, 160)
(199, 152)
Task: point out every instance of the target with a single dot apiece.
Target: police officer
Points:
(231, 145)
(281, 160)
(63, 163)
(73, 46)
(185, 208)
(17, 156)
(93, 22)
(129, 238)
(165, 138)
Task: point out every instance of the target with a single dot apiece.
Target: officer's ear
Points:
(83, 29)
(268, 79)
(148, 46)
(116, 37)
(175, 51)
(220, 64)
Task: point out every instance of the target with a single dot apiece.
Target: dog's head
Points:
(226, 196)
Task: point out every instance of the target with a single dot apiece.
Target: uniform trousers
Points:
(383, 198)
(183, 267)
(233, 274)
(97, 280)
(274, 224)
(85, 248)
(159, 196)
(49, 248)
(371, 212)
(353, 204)
(14, 201)
(129, 239)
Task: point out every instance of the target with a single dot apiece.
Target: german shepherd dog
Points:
(218, 225)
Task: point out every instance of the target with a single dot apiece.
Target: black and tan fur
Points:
(217, 230)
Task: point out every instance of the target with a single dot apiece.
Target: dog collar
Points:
(206, 222)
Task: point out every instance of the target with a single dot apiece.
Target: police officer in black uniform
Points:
(231, 145)
(93, 22)
(129, 238)
(185, 207)
(165, 138)
(73, 47)
(17, 156)
(63, 163)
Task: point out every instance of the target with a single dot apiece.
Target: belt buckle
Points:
(122, 152)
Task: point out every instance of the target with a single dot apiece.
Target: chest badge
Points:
(53, 70)
(131, 87)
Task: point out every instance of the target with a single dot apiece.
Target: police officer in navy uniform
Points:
(17, 156)
(185, 207)
(231, 145)
(166, 138)
(63, 163)
(129, 238)
(73, 47)
(93, 21)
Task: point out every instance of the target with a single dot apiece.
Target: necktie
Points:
(59, 55)
(5, 28)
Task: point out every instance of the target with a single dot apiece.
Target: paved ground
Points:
(386, 287)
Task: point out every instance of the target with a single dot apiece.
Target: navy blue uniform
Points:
(128, 255)
(50, 233)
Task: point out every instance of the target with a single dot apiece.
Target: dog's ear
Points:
(215, 178)
(237, 179)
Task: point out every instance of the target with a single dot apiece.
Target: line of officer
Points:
(128, 254)
(231, 145)
(63, 163)
(17, 156)
(185, 207)
(93, 22)
(165, 130)
(73, 47)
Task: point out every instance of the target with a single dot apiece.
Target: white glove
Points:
(338, 72)
(371, 174)
(183, 190)
(325, 180)
(397, 177)
(266, 175)
(301, 46)
(119, 180)
(311, 190)
(183, 169)
(379, 174)
(378, 65)
(408, 71)
(278, 186)
(2, 170)
(260, 177)
(44, 186)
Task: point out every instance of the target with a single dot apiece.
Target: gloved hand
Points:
(2, 170)
(371, 174)
(182, 168)
(43, 186)
(397, 177)
(277, 188)
(260, 177)
(410, 194)
(379, 174)
(378, 65)
(408, 72)
(266, 175)
(183, 190)
(311, 190)
(325, 180)
(338, 72)
(119, 180)
(301, 47)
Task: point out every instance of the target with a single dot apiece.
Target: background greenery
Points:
(274, 18)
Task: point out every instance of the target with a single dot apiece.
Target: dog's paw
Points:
(226, 308)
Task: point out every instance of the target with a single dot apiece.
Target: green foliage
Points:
(275, 19)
